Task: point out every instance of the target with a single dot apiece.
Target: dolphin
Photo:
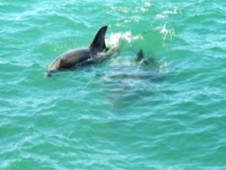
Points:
(82, 57)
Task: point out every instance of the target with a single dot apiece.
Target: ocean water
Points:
(115, 115)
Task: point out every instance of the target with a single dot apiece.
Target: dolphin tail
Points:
(98, 43)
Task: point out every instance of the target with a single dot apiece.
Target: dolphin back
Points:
(80, 57)
(98, 43)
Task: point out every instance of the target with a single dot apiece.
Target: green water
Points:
(115, 115)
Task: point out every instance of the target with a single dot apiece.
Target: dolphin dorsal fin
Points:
(140, 55)
(98, 43)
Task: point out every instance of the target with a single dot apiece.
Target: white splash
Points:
(164, 68)
(167, 32)
(165, 14)
(147, 4)
(115, 38)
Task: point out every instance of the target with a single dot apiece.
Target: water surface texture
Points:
(114, 115)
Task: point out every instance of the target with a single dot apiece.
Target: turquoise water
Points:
(115, 115)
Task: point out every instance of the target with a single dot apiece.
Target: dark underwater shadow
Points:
(125, 84)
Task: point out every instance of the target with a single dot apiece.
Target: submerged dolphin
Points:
(141, 68)
(80, 57)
